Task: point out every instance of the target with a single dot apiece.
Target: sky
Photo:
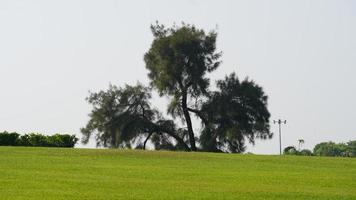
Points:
(303, 53)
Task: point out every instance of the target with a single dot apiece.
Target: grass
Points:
(53, 173)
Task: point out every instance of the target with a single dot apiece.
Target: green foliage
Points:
(115, 109)
(351, 151)
(235, 112)
(121, 116)
(179, 60)
(325, 149)
(110, 174)
(290, 150)
(8, 139)
(334, 149)
(306, 152)
(37, 140)
(61, 140)
(180, 57)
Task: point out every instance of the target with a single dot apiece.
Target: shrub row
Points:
(37, 140)
(326, 149)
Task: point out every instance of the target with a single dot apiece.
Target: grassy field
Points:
(50, 173)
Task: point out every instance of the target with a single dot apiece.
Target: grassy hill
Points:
(52, 173)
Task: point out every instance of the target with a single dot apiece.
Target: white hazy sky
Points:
(302, 52)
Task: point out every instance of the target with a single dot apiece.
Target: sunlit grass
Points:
(52, 173)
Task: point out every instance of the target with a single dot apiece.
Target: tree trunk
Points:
(148, 137)
(113, 138)
(189, 123)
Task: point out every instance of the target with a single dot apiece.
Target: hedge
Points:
(37, 140)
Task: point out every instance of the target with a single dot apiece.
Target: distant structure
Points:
(279, 122)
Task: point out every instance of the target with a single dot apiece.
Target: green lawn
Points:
(52, 173)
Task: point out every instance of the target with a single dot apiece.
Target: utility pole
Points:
(279, 122)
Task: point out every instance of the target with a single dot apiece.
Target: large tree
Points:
(178, 61)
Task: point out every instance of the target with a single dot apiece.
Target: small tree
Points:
(300, 143)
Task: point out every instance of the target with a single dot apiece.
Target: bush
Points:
(305, 152)
(58, 140)
(290, 150)
(37, 140)
(8, 139)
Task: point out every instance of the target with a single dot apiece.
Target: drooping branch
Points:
(157, 128)
(174, 135)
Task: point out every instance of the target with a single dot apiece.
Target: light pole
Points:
(279, 122)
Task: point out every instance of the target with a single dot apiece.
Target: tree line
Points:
(326, 149)
(37, 140)
(179, 61)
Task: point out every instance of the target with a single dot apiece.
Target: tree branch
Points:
(155, 128)
(199, 114)
(172, 134)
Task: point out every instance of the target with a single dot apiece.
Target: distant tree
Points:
(300, 143)
(351, 148)
(330, 149)
(179, 60)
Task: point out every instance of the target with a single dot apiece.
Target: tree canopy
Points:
(178, 61)
(235, 112)
(122, 116)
